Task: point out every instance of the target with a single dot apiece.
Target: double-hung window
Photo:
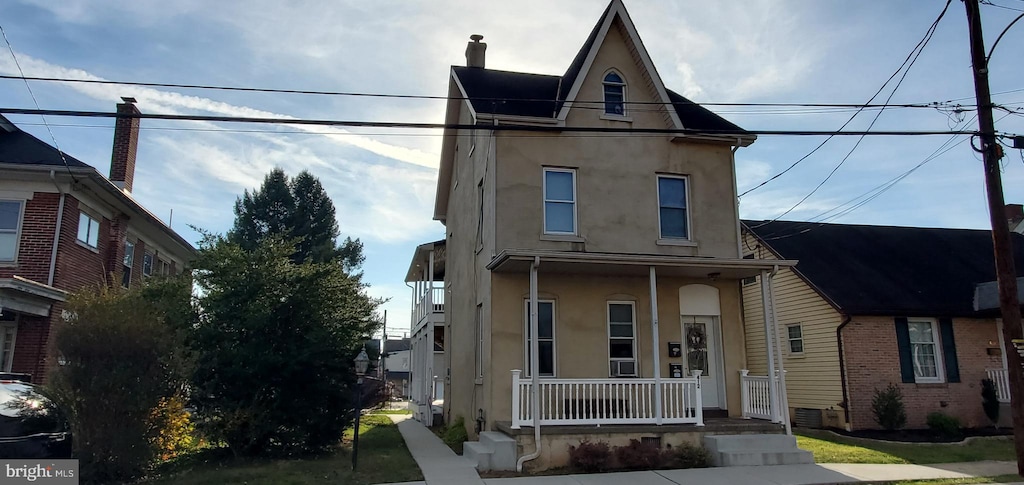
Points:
(795, 334)
(129, 261)
(88, 230)
(559, 201)
(614, 94)
(673, 215)
(622, 339)
(10, 226)
(545, 340)
(8, 332)
(925, 351)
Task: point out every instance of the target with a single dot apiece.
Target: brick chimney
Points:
(475, 51)
(126, 143)
(1015, 217)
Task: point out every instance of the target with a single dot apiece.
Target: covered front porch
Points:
(681, 364)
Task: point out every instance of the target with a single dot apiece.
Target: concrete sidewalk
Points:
(440, 465)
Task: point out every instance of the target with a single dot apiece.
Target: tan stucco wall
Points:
(617, 197)
(581, 335)
(812, 379)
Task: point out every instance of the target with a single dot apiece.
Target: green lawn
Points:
(960, 481)
(829, 448)
(383, 458)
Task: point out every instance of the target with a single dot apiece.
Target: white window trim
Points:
(625, 96)
(17, 230)
(689, 222)
(9, 362)
(608, 329)
(554, 337)
(790, 340)
(99, 224)
(940, 370)
(544, 198)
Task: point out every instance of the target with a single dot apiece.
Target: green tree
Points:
(123, 354)
(275, 343)
(296, 208)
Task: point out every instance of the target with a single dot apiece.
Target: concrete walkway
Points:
(440, 465)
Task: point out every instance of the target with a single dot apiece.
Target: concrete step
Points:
(755, 449)
(478, 454)
(503, 447)
(764, 457)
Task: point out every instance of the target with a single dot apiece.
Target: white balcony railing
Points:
(607, 401)
(436, 304)
(1002, 380)
(755, 396)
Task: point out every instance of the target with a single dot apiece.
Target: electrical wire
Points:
(36, 103)
(917, 48)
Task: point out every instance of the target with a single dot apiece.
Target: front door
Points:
(701, 344)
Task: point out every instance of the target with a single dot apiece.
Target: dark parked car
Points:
(31, 426)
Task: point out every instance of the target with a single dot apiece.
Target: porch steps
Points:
(755, 450)
(494, 451)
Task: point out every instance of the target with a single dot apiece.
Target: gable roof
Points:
(888, 270)
(396, 345)
(21, 148)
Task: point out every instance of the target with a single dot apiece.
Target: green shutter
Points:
(903, 342)
(949, 350)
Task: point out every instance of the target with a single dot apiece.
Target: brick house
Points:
(872, 305)
(63, 226)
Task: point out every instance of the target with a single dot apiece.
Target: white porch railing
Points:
(755, 396)
(436, 304)
(607, 401)
(1002, 379)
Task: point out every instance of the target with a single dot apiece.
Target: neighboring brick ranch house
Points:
(871, 305)
(64, 226)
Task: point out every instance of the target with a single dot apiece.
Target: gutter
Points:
(56, 230)
(842, 369)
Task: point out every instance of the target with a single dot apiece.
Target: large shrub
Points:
(454, 435)
(887, 406)
(639, 455)
(121, 355)
(274, 346)
(686, 455)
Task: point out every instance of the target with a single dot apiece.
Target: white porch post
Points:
(698, 406)
(428, 354)
(744, 393)
(769, 348)
(656, 349)
(516, 399)
(783, 396)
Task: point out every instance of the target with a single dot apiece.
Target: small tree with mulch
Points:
(887, 406)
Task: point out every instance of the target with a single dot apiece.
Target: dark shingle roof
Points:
(577, 63)
(18, 147)
(396, 345)
(887, 270)
(524, 94)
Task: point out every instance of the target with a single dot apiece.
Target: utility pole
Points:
(1006, 274)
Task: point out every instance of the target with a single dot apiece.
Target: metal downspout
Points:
(783, 395)
(534, 368)
(842, 369)
(56, 230)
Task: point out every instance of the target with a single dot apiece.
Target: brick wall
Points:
(77, 264)
(36, 239)
(872, 361)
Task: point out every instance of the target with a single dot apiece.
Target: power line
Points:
(916, 53)
(445, 98)
(36, 103)
(920, 45)
(724, 133)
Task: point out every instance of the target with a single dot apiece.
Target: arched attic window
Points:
(614, 94)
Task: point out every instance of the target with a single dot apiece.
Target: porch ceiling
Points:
(518, 261)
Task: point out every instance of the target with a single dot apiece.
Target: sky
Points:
(382, 182)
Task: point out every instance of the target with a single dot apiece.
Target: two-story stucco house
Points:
(592, 257)
(64, 226)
